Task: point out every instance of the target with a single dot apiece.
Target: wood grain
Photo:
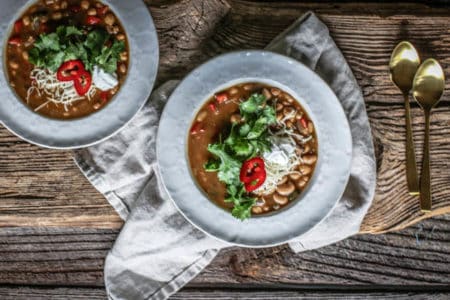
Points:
(27, 293)
(40, 187)
(415, 257)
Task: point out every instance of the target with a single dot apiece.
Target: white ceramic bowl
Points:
(333, 133)
(64, 134)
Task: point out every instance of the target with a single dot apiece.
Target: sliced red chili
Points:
(101, 11)
(222, 97)
(91, 20)
(253, 174)
(15, 41)
(70, 70)
(104, 96)
(303, 122)
(83, 82)
(18, 26)
(213, 107)
(197, 128)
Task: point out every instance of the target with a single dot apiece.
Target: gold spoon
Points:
(403, 66)
(428, 86)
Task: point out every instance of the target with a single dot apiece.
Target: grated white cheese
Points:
(45, 83)
(283, 159)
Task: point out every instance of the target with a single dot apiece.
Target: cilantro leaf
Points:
(246, 139)
(70, 43)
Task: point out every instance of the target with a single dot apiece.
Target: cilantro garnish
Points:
(245, 140)
(70, 43)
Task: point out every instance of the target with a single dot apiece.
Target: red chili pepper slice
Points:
(91, 20)
(104, 96)
(83, 82)
(197, 128)
(18, 26)
(253, 174)
(213, 107)
(15, 41)
(70, 70)
(101, 11)
(303, 122)
(222, 97)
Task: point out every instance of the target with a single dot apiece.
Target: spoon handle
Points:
(411, 167)
(425, 181)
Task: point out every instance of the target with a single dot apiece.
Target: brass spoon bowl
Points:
(428, 86)
(403, 66)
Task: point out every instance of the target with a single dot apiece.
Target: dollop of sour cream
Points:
(282, 150)
(102, 80)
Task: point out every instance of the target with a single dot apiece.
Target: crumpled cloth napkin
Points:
(158, 251)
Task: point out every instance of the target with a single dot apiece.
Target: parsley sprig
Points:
(69, 43)
(247, 139)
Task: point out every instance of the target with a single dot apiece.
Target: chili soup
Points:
(252, 149)
(66, 59)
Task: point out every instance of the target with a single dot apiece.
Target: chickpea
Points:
(49, 2)
(85, 5)
(289, 124)
(202, 116)
(289, 99)
(309, 159)
(299, 115)
(295, 176)
(57, 15)
(64, 5)
(14, 73)
(265, 208)
(266, 94)
(123, 68)
(96, 106)
(92, 12)
(124, 56)
(14, 65)
(248, 87)
(279, 116)
(306, 148)
(310, 127)
(276, 92)
(283, 180)
(233, 91)
(235, 118)
(288, 110)
(301, 183)
(280, 199)
(279, 107)
(115, 29)
(305, 169)
(257, 209)
(110, 19)
(285, 189)
(121, 37)
(26, 20)
(25, 55)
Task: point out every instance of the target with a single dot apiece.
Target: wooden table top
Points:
(55, 228)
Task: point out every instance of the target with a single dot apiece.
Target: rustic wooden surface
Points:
(40, 187)
(68, 263)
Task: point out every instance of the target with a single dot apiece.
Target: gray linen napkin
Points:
(158, 251)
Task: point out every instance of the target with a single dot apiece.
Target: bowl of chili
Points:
(73, 70)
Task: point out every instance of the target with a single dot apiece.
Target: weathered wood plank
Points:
(40, 187)
(50, 293)
(75, 257)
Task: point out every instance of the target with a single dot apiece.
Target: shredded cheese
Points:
(276, 171)
(45, 83)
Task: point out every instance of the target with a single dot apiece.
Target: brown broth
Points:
(19, 77)
(208, 125)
